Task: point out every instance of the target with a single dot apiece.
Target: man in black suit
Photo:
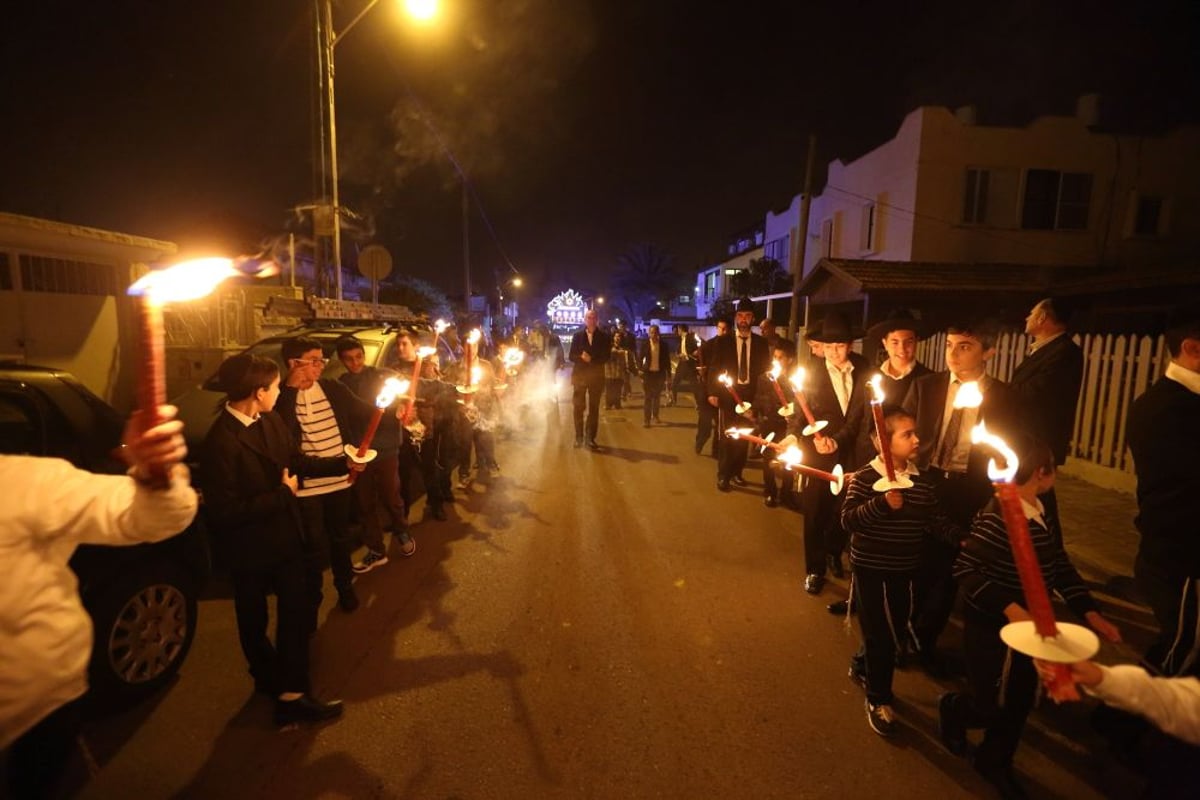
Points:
(1164, 429)
(685, 366)
(835, 386)
(590, 348)
(742, 358)
(654, 365)
(706, 414)
(957, 467)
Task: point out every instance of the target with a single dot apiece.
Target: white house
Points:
(712, 282)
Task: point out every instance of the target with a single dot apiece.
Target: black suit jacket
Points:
(600, 349)
(1046, 388)
(847, 429)
(725, 360)
(664, 358)
(254, 517)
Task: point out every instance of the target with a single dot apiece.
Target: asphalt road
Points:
(586, 625)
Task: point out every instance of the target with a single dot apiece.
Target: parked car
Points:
(142, 598)
(198, 407)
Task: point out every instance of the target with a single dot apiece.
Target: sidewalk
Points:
(1098, 530)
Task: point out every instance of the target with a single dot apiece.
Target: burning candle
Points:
(776, 370)
(439, 328)
(512, 358)
(727, 382)
(814, 426)
(185, 281)
(469, 374)
(885, 443)
(411, 394)
(392, 388)
(792, 459)
(1067, 643)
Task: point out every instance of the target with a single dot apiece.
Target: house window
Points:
(777, 250)
(1147, 220)
(6, 281)
(710, 284)
(827, 238)
(990, 197)
(1056, 200)
(866, 229)
(64, 276)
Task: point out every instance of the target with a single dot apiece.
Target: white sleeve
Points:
(1172, 704)
(61, 501)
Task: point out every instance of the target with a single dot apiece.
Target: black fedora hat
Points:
(832, 328)
(744, 303)
(898, 319)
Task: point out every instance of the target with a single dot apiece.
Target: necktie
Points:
(744, 361)
(950, 438)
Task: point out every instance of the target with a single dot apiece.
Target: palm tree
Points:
(644, 275)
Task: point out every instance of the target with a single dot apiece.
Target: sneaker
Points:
(408, 545)
(370, 561)
(305, 709)
(858, 677)
(950, 728)
(881, 718)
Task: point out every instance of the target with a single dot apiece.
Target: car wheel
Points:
(144, 626)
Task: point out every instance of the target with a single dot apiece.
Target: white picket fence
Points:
(1116, 369)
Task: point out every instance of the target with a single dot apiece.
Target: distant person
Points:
(685, 365)
(590, 349)
(616, 370)
(654, 365)
(706, 414)
(1163, 436)
(377, 489)
(768, 331)
(50, 508)
(251, 469)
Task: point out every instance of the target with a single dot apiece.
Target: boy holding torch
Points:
(887, 530)
(1003, 682)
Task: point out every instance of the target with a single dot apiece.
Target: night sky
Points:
(584, 126)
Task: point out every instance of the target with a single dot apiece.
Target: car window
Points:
(20, 433)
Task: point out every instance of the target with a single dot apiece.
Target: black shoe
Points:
(305, 709)
(838, 607)
(592, 445)
(738, 480)
(578, 442)
(723, 484)
(769, 501)
(813, 584)
(1004, 781)
(950, 727)
(348, 600)
(835, 566)
(881, 718)
(860, 680)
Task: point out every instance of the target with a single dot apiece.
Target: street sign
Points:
(375, 262)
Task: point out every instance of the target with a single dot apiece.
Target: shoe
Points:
(722, 484)
(769, 501)
(657, 421)
(464, 481)
(493, 469)
(645, 424)
(438, 513)
(408, 545)
(370, 561)
(578, 442)
(306, 708)
(1004, 781)
(881, 718)
(738, 480)
(699, 447)
(835, 566)
(592, 445)
(348, 600)
(813, 584)
(857, 677)
(838, 607)
(950, 728)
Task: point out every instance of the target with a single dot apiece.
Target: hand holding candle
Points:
(411, 392)
(889, 482)
(726, 381)
(814, 426)
(363, 454)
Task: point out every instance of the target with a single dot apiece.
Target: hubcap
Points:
(148, 634)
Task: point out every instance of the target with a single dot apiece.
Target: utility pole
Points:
(802, 244)
(466, 214)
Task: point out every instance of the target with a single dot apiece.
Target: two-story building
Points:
(712, 283)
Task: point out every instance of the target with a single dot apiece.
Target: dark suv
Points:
(142, 599)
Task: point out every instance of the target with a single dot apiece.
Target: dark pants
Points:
(884, 603)
(998, 701)
(731, 453)
(936, 587)
(652, 388)
(823, 534)
(684, 375)
(485, 448)
(376, 491)
(38, 758)
(771, 469)
(409, 459)
(706, 416)
(612, 392)
(284, 665)
(327, 539)
(437, 464)
(587, 395)
(1174, 601)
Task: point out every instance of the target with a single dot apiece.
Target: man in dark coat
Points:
(1164, 431)
(741, 358)
(590, 348)
(654, 365)
(685, 366)
(706, 415)
(899, 333)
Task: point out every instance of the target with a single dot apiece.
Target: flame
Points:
(392, 388)
(513, 357)
(440, 326)
(791, 457)
(725, 380)
(473, 337)
(425, 352)
(189, 280)
(476, 374)
(877, 388)
(980, 435)
(968, 395)
(734, 433)
(776, 369)
(797, 379)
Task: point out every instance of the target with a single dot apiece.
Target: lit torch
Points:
(885, 443)
(439, 328)
(786, 409)
(727, 382)
(791, 459)
(411, 396)
(189, 280)
(392, 388)
(814, 426)
(1040, 637)
(469, 367)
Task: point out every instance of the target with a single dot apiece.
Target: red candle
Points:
(151, 378)
(365, 445)
(386, 396)
(744, 433)
(885, 443)
(776, 369)
(412, 388)
(727, 382)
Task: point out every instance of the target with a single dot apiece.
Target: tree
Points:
(645, 274)
(762, 276)
(420, 296)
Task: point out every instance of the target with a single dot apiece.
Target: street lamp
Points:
(422, 10)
